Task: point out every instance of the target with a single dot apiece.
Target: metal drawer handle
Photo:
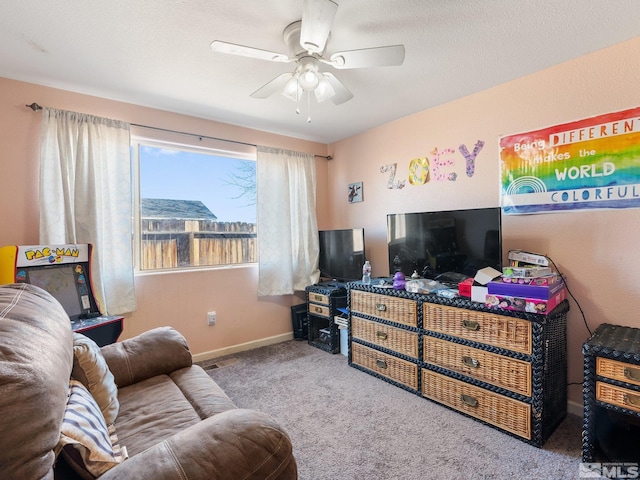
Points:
(632, 374)
(469, 400)
(470, 325)
(470, 362)
(381, 335)
(381, 307)
(317, 309)
(318, 298)
(381, 363)
(631, 400)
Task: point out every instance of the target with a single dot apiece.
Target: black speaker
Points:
(300, 322)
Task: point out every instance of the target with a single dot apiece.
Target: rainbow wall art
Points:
(590, 163)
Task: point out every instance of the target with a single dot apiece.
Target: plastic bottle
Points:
(366, 273)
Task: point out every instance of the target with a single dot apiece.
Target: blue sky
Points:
(180, 175)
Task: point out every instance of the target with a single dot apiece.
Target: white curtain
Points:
(287, 223)
(85, 197)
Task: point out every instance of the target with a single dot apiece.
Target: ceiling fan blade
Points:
(388, 56)
(274, 86)
(317, 17)
(233, 49)
(342, 93)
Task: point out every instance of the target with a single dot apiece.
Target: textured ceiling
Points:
(156, 53)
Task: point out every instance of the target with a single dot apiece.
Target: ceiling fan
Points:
(306, 40)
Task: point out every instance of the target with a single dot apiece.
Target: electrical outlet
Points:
(211, 318)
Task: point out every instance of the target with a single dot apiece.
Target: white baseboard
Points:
(221, 352)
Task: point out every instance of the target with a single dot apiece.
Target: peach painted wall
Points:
(597, 250)
(177, 299)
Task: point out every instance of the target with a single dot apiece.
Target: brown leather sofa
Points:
(173, 419)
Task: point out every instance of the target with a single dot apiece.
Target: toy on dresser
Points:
(527, 284)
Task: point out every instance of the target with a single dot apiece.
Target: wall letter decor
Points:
(440, 161)
(471, 157)
(391, 168)
(419, 171)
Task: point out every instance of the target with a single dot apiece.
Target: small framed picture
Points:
(355, 192)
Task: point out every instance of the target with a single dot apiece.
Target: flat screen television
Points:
(341, 254)
(434, 243)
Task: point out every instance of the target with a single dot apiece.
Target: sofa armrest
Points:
(158, 351)
(236, 444)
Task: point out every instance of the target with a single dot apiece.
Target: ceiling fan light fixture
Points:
(306, 40)
(292, 89)
(324, 90)
(309, 75)
(309, 80)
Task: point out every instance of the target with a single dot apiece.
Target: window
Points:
(195, 204)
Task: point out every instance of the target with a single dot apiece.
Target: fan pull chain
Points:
(308, 107)
(297, 96)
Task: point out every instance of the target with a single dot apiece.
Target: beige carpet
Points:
(345, 424)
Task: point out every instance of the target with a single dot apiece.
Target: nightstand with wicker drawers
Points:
(323, 301)
(504, 368)
(611, 421)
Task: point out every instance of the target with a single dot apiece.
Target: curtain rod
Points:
(35, 107)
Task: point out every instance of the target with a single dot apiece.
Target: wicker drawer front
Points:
(396, 339)
(319, 298)
(386, 365)
(498, 330)
(503, 412)
(399, 310)
(622, 397)
(320, 310)
(623, 372)
(505, 372)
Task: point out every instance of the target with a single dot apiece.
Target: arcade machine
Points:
(65, 272)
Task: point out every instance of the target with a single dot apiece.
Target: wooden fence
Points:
(199, 243)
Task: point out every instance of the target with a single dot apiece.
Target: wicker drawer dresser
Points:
(611, 395)
(505, 369)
